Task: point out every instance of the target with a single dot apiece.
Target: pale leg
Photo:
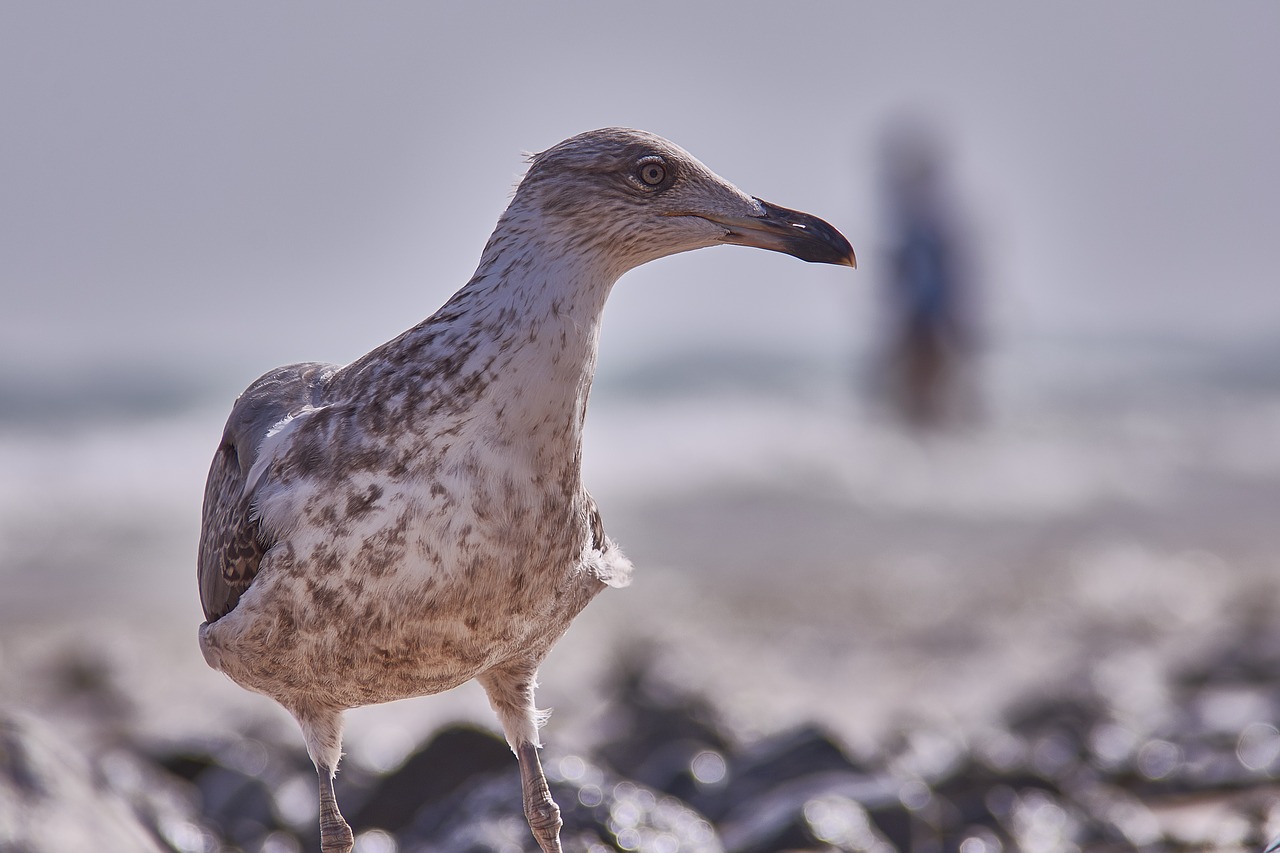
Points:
(510, 692)
(322, 728)
(539, 808)
(335, 834)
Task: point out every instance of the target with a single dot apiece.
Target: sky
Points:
(225, 187)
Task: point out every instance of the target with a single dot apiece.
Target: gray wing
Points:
(231, 542)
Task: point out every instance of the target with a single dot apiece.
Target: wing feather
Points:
(231, 540)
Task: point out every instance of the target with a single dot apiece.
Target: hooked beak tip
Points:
(779, 229)
(806, 236)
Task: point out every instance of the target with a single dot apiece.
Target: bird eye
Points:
(652, 171)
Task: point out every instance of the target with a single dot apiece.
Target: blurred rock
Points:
(657, 730)
(447, 764)
(814, 811)
(601, 812)
(54, 800)
(791, 755)
(1055, 730)
(1072, 767)
(800, 790)
(239, 785)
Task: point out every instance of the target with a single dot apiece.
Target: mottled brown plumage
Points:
(416, 519)
(231, 542)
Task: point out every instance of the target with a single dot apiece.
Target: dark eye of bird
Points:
(652, 172)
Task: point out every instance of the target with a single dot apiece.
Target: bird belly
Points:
(384, 613)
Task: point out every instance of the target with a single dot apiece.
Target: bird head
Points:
(634, 197)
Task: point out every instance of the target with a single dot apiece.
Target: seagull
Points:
(417, 519)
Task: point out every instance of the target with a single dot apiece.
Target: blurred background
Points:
(1029, 450)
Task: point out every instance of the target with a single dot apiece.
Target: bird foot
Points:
(542, 812)
(335, 835)
(544, 820)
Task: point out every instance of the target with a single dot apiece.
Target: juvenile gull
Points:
(416, 519)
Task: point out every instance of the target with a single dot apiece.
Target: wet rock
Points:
(1035, 819)
(601, 812)
(170, 808)
(801, 752)
(799, 790)
(241, 806)
(813, 811)
(448, 763)
(1055, 731)
(972, 801)
(658, 730)
(54, 799)
(1193, 766)
(247, 789)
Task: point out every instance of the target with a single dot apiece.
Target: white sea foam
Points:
(103, 495)
(1048, 440)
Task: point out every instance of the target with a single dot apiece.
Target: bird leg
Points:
(322, 729)
(510, 690)
(539, 808)
(335, 833)
(542, 812)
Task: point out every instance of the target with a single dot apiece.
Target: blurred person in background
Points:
(932, 339)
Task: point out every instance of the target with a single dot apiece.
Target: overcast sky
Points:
(245, 184)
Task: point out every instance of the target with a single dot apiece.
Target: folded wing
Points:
(231, 539)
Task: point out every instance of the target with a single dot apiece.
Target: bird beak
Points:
(792, 232)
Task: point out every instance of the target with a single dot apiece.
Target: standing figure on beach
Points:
(417, 518)
(927, 292)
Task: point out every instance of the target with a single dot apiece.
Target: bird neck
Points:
(533, 312)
